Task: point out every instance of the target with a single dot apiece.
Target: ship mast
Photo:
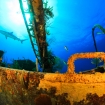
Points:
(36, 29)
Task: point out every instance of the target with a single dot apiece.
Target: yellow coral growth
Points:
(71, 66)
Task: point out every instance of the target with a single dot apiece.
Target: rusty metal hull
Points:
(20, 87)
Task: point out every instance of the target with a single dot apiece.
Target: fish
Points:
(96, 61)
(65, 47)
(11, 35)
(65, 62)
(100, 33)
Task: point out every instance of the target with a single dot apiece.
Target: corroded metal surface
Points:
(76, 78)
(20, 87)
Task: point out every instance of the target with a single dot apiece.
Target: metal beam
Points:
(36, 30)
(30, 25)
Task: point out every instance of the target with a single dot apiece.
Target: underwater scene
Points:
(52, 52)
(68, 30)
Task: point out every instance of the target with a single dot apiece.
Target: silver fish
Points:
(96, 61)
(100, 33)
(11, 35)
(65, 48)
(65, 62)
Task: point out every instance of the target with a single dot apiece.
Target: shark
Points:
(11, 35)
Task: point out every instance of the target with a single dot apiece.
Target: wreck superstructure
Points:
(36, 29)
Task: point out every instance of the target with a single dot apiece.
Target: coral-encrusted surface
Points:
(20, 87)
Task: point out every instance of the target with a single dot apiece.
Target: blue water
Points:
(71, 26)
